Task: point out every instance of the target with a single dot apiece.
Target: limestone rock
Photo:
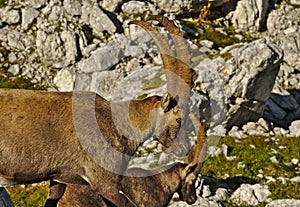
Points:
(250, 15)
(92, 15)
(37, 3)
(57, 49)
(10, 16)
(289, 43)
(284, 18)
(178, 6)
(249, 77)
(282, 107)
(73, 7)
(138, 7)
(295, 2)
(14, 69)
(294, 128)
(251, 194)
(64, 79)
(105, 82)
(211, 84)
(284, 203)
(19, 41)
(28, 16)
(102, 59)
(111, 5)
(141, 83)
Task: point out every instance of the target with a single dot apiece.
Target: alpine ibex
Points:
(178, 67)
(155, 190)
(51, 135)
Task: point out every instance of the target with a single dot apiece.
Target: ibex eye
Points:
(178, 120)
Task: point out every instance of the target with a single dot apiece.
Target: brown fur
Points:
(154, 188)
(180, 80)
(155, 191)
(39, 140)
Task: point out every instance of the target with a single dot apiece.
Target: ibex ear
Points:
(166, 101)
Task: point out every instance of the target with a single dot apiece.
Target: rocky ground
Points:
(248, 72)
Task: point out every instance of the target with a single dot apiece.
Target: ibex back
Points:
(39, 140)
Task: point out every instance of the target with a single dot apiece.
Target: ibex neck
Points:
(170, 178)
(134, 122)
(140, 112)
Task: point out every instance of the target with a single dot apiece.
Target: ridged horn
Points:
(201, 145)
(183, 67)
(166, 53)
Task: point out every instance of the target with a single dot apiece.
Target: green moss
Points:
(58, 27)
(155, 82)
(141, 97)
(7, 80)
(3, 3)
(208, 31)
(226, 55)
(30, 196)
(219, 39)
(127, 59)
(256, 160)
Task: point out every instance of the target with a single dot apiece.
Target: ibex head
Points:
(179, 77)
(194, 162)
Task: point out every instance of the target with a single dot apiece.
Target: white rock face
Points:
(250, 194)
(284, 203)
(255, 67)
(294, 128)
(64, 79)
(295, 2)
(57, 49)
(250, 15)
(97, 19)
(102, 59)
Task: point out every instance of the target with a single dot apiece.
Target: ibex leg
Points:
(56, 191)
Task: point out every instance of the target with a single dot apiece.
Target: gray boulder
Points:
(283, 19)
(282, 107)
(101, 59)
(249, 77)
(93, 16)
(28, 16)
(284, 203)
(250, 15)
(57, 49)
(252, 195)
(17, 41)
(290, 45)
(73, 7)
(9, 15)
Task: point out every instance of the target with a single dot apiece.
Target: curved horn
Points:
(183, 66)
(201, 146)
(166, 53)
